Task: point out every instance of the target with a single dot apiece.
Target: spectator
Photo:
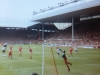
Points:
(34, 73)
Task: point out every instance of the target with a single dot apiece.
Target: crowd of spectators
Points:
(17, 36)
(84, 34)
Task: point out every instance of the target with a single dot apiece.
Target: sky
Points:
(19, 13)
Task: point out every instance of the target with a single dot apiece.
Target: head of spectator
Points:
(34, 73)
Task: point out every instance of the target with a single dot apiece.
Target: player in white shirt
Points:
(75, 48)
(4, 49)
(58, 51)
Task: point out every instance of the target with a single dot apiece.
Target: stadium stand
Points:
(86, 33)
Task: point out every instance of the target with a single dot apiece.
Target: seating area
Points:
(16, 36)
(84, 34)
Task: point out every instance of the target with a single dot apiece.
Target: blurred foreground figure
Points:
(34, 74)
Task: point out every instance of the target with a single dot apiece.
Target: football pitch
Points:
(85, 62)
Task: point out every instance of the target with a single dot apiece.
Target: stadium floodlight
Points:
(66, 3)
(34, 12)
(42, 10)
(61, 4)
(76, 0)
(50, 7)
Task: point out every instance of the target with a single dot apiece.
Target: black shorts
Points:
(3, 51)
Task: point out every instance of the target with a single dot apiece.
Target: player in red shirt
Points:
(10, 53)
(30, 50)
(20, 51)
(10, 47)
(65, 60)
(70, 51)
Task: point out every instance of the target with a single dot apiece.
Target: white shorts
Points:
(58, 51)
(3, 48)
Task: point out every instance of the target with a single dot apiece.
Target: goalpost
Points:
(43, 59)
(43, 52)
(43, 49)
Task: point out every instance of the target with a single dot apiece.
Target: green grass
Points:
(85, 62)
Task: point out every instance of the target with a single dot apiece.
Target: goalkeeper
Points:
(65, 60)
